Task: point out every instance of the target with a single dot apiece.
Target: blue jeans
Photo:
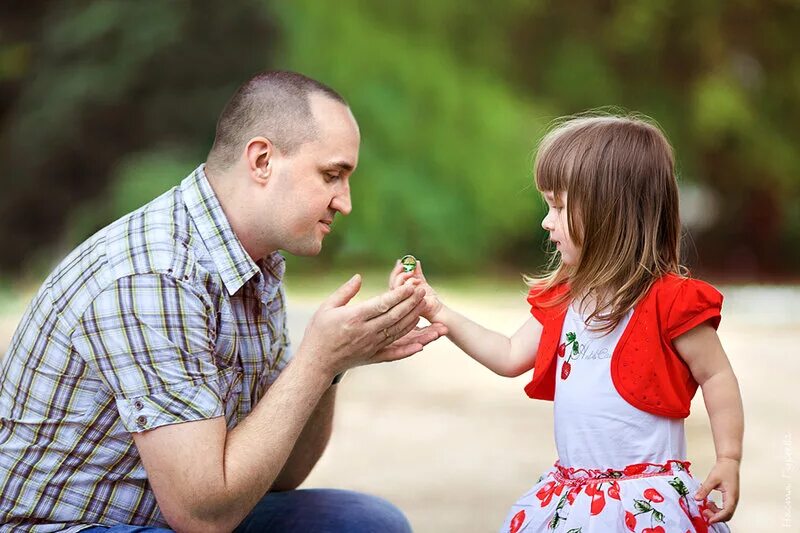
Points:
(308, 510)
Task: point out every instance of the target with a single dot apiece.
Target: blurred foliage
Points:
(106, 104)
(90, 90)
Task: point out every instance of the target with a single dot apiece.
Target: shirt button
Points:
(141, 421)
(138, 405)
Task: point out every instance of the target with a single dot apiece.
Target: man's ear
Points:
(259, 153)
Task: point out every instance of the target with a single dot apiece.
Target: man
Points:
(149, 382)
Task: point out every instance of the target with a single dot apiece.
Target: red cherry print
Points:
(657, 529)
(591, 489)
(633, 470)
(653, 495)
(546, 493)
(613, 490)
(573, 492)
(562, 348)
(630, 520)
(699, 524)
(598, 502)
(516, 522)
(685, 507)
(565, 369)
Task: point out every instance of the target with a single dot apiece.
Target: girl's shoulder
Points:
(683, 302)
(547, 301)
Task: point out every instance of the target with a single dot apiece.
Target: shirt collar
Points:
(234, 264)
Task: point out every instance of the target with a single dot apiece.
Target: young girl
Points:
(619, 339)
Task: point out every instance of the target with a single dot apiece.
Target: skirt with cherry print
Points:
(643, 498)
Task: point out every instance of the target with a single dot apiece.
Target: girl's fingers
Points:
(705, 488)
(419, 271)
(394, 274)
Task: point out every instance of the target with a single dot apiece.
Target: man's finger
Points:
(401, 319)
(396, 313)
(395, 353)
(381, 304)
(345, 293)
(422, 336)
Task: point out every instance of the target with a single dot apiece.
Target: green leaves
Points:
(642, 506)
(561, 503)
(679, 486)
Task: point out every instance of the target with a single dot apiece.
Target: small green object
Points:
(409, 263)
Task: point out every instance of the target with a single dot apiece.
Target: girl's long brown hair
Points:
(622, 210)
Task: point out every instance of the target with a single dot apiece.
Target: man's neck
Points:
(236, 209)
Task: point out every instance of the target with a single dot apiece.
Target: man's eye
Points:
(331, 177)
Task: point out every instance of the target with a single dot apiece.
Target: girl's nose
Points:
(546, 223)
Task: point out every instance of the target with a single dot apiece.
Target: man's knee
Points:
(364, 513)
(324, 511)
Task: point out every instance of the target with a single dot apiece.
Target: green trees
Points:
(90, 89)
(104, 104)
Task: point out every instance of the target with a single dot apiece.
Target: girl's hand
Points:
(416, 277)
(725, 478)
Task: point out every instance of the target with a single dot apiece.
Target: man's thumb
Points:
(345, 293)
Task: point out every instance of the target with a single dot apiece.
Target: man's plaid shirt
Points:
(159, 318)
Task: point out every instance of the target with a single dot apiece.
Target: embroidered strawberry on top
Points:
(573, 345)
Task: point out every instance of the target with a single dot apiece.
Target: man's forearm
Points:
(310, 446)
(257, 449)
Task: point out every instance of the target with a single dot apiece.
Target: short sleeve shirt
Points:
(160, 318)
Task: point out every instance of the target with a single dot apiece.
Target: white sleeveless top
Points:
(594, 426)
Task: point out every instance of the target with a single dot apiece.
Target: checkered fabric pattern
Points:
(160, 318)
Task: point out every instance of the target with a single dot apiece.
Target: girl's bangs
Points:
(553, 164)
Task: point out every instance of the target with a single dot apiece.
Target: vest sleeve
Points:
(542, 302)
(695, 303)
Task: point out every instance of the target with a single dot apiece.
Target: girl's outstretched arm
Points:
(702, 351)
(506, 356)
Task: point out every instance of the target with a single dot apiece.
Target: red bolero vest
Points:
(645, 368)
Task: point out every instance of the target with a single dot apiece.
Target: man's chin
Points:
(309, 249)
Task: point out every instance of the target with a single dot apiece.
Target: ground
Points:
(453, 445)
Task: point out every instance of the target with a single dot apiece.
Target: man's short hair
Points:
(273, 104)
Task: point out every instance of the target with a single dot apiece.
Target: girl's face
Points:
(555, 222)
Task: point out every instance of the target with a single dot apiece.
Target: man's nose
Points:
(341, 202)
